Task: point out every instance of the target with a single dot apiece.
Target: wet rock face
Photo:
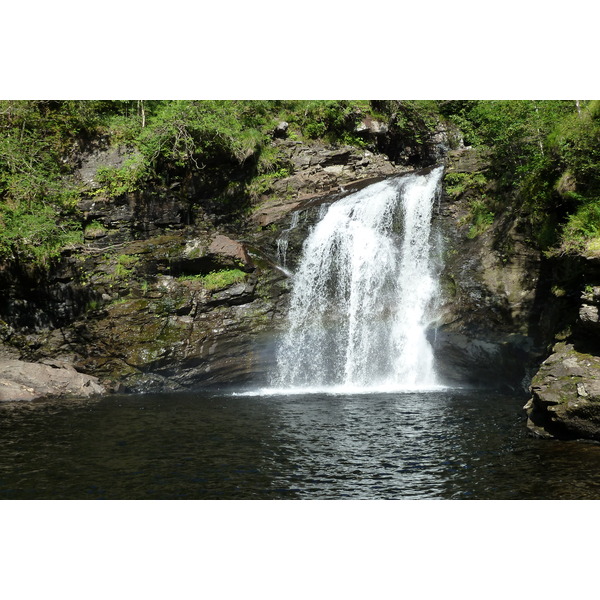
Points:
(179, 334)
(170, 312)
(488, 330)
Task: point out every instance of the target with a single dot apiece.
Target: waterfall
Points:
(364, 293)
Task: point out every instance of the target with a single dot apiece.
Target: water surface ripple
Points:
(430, 445)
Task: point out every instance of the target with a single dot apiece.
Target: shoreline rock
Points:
(565, 402)
(26, 381)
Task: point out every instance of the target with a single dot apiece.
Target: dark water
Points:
(455, 445)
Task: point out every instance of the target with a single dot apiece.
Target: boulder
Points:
(281, 130)
(369, 127)
(589, 319)
(565, 395)
(21, 380)
(225, 246)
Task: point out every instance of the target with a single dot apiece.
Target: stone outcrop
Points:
(225, 246)
(142, 317)
(565, 401)
(20, 380)
(157, 321)
(565, 392)
(177, 334)
(589, 312)
(319, 171)
(99, 153)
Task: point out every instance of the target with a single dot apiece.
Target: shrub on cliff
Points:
(36, 196)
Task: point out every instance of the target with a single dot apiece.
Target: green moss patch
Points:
(217, 280)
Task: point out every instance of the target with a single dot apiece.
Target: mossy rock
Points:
(565, 399)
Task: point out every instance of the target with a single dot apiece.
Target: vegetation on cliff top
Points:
(545, 156)
(226, 143)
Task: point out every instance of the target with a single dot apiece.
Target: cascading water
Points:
(282, 242)
(364, 291)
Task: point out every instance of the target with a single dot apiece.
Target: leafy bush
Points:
(116, 181)
(334, 120)
(457, 184)
(34, 235)
(36, 196)
(575, 144)
(184, 132)
(545, 156)
(582, 227)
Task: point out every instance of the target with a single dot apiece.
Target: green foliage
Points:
(457, 184)
(181, 133)
(570, 178)
(575, 145)
(416, 118)
(333, 120)
(582, 226)
(34, 235)
(352, 139)
(93, 305)
(515, 131)
(94, 229)
(545, 157)
(271, 160)
(115, 181)
(472, 186)
(124, 265)
(36, 196)
(221, 279)
(261, 184)
(458, 112)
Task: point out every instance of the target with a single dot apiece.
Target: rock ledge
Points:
(21, 380)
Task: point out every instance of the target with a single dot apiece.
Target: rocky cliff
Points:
(167, 294)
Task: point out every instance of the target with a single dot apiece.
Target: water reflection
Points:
(440, 445)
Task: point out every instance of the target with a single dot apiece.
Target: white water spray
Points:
(363, 294)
